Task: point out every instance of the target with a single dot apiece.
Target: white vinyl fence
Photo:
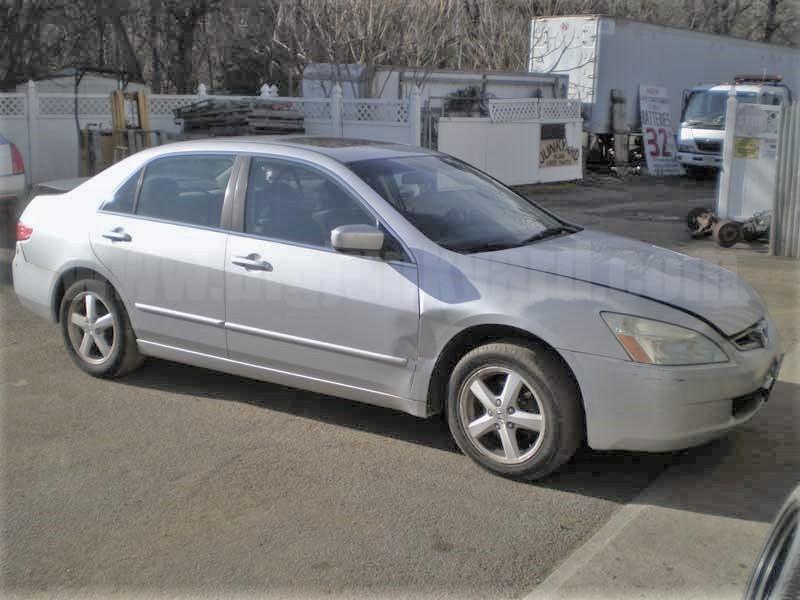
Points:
(785, 238)
(43, 126)
(522, 141)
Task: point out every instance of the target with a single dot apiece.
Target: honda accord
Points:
(400, 277)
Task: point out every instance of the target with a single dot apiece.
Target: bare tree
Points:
(240, 43)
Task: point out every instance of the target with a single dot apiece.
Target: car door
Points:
(162, 238)
(296, 305)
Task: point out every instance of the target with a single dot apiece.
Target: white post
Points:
(202, 90)
(32, 114)
(415, 117)
(723, 192)
(337, 127)
(269, 91)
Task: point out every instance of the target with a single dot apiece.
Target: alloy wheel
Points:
(501, 414)
(92, 328)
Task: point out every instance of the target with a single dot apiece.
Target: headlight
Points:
(659, 343)
(685, 148)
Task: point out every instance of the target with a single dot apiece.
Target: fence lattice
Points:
(385, 111)
(13, 105)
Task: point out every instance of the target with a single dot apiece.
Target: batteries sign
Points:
(657, 131)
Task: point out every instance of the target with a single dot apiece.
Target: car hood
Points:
(705, 290)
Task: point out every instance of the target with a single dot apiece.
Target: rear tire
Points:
(515, 409)
(97, 331)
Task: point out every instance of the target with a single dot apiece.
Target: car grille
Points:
(710, 146)
(755, 336)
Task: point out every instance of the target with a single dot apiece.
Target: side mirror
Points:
(357, 238)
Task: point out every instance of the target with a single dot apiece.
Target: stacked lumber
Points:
(216, 116)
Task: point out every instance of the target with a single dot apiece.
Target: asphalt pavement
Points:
(177, 480)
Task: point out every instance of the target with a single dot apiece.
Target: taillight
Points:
(17, 164)
(23, 232)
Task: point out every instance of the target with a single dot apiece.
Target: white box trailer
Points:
(393, 83)
(396, 82)
(601, 54)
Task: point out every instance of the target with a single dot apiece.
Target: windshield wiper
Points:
(547, 233)
(487, 247)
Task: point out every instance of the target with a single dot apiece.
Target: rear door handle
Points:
(118, 234)
(252, 262)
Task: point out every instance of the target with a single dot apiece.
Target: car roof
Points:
(345, 150)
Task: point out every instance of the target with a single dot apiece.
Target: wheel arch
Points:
(470, 338)
(73, 272)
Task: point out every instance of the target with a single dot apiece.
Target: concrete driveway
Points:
(180, 481)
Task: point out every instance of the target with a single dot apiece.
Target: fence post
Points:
(269, 91)
(32, 115)
(784, 239)
(724, 186)
(415, 117)
(337, 127)
(202, 90)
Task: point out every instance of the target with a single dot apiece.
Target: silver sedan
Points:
(399, 277)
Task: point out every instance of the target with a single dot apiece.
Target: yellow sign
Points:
(556, 153)
(746, 147)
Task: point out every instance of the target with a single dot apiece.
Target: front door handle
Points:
(252, 262)
(118, 234)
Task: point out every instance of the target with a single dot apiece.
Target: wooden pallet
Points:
(239, 117)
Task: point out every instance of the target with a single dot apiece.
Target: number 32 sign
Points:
(659, 135)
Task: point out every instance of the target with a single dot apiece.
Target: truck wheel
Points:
(727, 233)
(515, 409)
(693, 172)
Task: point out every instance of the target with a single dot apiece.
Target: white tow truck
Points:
(702, 124)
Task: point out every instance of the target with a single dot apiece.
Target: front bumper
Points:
(631, 406)
(691, 159)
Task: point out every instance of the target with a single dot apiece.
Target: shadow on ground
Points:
(614, 476)
(763, 457)
(754, 469)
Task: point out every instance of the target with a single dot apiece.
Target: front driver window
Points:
(297, 204)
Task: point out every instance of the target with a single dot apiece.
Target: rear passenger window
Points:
(122, 202)
(185, 189)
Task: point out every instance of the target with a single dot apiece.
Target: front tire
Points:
(97, 331)
(515, 409)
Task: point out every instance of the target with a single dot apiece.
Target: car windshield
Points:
(455, 205)
(707, 108)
